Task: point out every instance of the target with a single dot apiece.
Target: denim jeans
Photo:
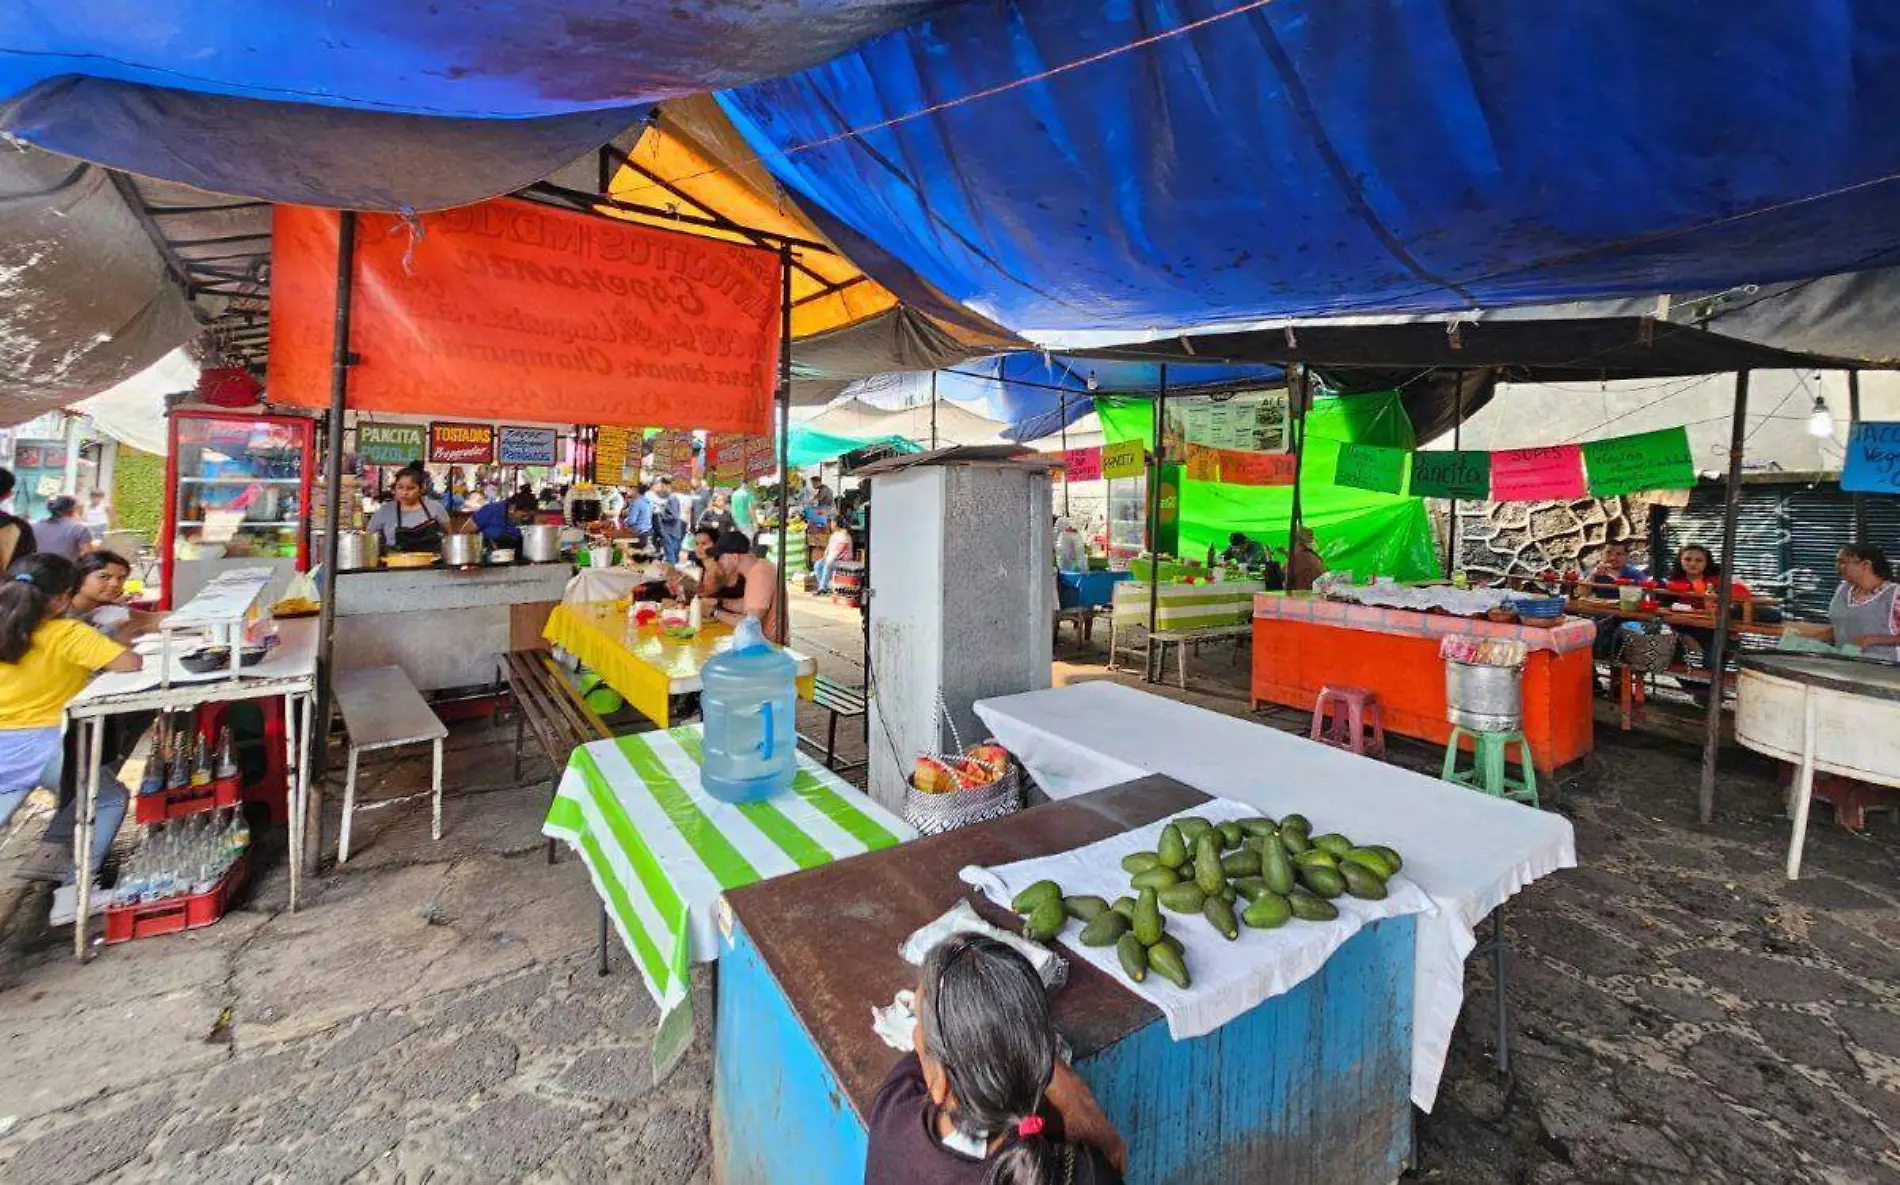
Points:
(822, 569)
(108, 814)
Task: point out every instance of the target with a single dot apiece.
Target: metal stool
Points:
(1489, 771)
(1348, 718)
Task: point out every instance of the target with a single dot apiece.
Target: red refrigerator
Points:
(237, 495)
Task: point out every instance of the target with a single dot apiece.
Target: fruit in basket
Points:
(1147, 921)
(1185, 897)
(1106, 929)
(1085, 908)
(1268, 911)
(1125, 906)
(1361, 881)
(1139, 861)
(1158, 877)
(1245, 862)
(1166, 962)
(1310, 908)
(1260, 827)
(1046, 920)
(1369, 859)
(933, 776)
(1325, 882)
(1191, 827)
(1134, 957)
(1220, 915)
(1333, 842)
(1276, 867)
(1027, 900)
(994, 756)
(1172, 849)
(1231, 834)
(1207, 869)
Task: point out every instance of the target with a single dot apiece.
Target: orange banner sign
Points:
(1257, 469)
(511, 310)
(1203, 463)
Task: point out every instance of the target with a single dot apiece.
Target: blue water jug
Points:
(749, 701)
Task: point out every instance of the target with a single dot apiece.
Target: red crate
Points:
(186, 800)
(152, 918)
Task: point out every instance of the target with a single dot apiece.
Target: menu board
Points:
(760, 458)
(461, 444)
(390, 444)
(617, 453)
(725, 457)
(1254, 422)
(672, 450)
(525, 446)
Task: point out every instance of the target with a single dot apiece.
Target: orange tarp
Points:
(511, 310)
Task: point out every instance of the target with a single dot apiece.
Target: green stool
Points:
(1488, 770)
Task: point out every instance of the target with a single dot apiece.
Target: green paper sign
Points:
(1465, 476)
(1369, 467)
(1650, 461)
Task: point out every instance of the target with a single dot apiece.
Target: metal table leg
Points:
(91, 737)
(293, 712)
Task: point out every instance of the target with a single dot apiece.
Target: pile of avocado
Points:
(1278, 869)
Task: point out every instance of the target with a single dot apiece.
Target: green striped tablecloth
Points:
(661, 850)
(1186, 606)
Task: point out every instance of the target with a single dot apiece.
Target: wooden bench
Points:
(839, 700)
(381, 710)
(1156, 650)
(547, 702)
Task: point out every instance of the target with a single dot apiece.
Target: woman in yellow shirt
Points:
(45, 660)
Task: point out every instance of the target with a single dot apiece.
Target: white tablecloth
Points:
(293, 658)
(600, 584)
(1228, 978)
(1469, 852)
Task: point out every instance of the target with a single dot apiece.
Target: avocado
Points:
(1185, 897)
(1148, 917)
(1312, 856)
(1311, 908)
(1035, 895)
(1085, 909)
(1158, 877)
(1105, 930)
(1294, 840)
(1260, 827)
(1228, 894)
(1249, 887)
(1391, 857)
(1172, 849)
(1046, 920)
(1269, 911)
(1333, 842)
(1231, 834)
(1245, 862)
(1295, 823)
(1139, 861)
(1371, 860)
(1169, 964)
(1276, 867)
(1171, 942)
(1220, 915)
(1125, 906)
(1362, 881)
(1325, 882)
(1134, 957)
(1207, 869)
(1191, 827)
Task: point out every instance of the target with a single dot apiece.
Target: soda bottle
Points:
(227, 755)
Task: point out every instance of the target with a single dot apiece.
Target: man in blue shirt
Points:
(638, 516)
(1614, 566)
(500, 522)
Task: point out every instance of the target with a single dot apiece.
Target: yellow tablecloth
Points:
(642, 663)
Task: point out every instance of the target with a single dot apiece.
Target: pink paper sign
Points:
(1082, 464)
(1537, 474)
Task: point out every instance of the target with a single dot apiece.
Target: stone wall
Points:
(1497, 539)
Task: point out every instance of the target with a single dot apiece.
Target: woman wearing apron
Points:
(1865, 611)
(411, 522)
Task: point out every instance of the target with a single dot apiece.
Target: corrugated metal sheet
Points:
(1786, 537)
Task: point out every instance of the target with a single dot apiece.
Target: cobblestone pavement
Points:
(1682, 1012)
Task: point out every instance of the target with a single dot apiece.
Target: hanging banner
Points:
(1258, 469)
(390, 444)
(1873, 458)
(461, 444)
(761, 458)
(725, 458)
(1537, 474)
(1647, 461)
(1459, 475)
(617, 454)
(526, 446)
(672, 451)
(1254, 421)
(510, 310)
(1369, 467)
(1203, 464)
(1124, 458)
(1081, 464)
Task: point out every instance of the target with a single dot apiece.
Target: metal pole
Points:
(1853, 418)
(1457, 423)
(333, 493)
(1298, 393)
(1157, 456)
(1731, 504)
(933, 409)
(784, 431)
(1063, 402)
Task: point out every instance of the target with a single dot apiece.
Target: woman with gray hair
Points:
(984, 1099)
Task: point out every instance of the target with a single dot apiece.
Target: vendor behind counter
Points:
(500, 523)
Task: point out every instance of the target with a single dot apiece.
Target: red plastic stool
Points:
(1348, 718)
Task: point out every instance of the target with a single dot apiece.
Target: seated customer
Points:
(1612, 567)
(1697, 575)
(984, 1098)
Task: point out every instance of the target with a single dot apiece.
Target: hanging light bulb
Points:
(1820, 420)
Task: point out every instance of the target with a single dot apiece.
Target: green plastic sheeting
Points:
(812, 447)
(1356, 531)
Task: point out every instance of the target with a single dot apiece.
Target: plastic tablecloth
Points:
(1470, 853)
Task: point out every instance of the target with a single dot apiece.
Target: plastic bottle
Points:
(749, 700)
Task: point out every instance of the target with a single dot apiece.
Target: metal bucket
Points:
(1484, 698)
(541, 543)
(356, 550)
(461, 550)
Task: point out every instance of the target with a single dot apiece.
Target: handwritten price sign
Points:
(461, 444)
(1873, 459)
(1082, 464)
(1537, 474)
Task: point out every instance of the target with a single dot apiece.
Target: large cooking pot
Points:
(357, 549)
(541, 543)
(462, 549)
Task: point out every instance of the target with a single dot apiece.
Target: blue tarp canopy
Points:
(1309, 156)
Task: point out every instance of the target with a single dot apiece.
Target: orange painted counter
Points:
(1302, 642)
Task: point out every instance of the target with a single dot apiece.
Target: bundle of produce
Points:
(982, 765)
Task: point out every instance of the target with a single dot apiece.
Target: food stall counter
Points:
(444, 626)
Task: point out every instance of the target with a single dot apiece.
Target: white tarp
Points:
(133, 412)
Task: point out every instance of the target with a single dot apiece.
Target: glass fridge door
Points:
(239, 498)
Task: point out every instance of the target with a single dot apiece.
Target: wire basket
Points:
(933, 813)
(1649, 650)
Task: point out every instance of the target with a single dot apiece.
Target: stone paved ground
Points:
(1682, 1012)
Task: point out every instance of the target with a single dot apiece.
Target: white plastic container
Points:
(749, 701)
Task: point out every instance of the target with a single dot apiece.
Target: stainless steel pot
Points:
(541, 543)
(358, 549)
(1484, 698)
(461, 550)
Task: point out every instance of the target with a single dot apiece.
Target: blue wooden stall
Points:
(1311, 1085)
